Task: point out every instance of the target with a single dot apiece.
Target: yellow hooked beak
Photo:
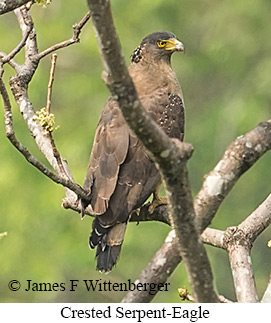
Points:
(174, 44)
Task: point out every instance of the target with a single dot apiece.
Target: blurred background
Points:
(226, 79)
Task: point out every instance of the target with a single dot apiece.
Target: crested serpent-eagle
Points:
(121, 175)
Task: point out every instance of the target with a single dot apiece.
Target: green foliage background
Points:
(226, 78)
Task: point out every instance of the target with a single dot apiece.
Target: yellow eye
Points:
(161, 43)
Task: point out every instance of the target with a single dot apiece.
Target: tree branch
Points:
(238, 241)
(77, 28)
(239, 156)
(66, 182)
(10, 5)
(213, 237)
(19, 85)
(257, 221)
(8, 58)
(157, 271)
(50, 83)
(16, 50)
(240, 260)
(237, 159)
(170, 155)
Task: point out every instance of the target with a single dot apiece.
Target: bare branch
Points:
(157, 271)
(6, 58)
(259, 220)
(239, 254)
(11, 62)
(77, 28)
(239, 241)
(19, 85)
(48, 116)
(247, 149)
(160, 214)
(66, 182)
(50, 84)
(238, 158)
(140, 215)
(26, 23)
(10, 5)
(213, 237)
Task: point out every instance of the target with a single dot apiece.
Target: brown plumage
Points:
(121, 175)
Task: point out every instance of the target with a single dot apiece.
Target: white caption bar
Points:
(137, 313)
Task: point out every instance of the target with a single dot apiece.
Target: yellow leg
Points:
(157, 200)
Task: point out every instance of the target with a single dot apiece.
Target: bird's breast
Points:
(149, 79)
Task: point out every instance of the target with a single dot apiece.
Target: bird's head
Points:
(159, 45)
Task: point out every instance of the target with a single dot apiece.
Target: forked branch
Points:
(238, 158)
(19, 85)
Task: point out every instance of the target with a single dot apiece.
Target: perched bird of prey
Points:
(121, 175)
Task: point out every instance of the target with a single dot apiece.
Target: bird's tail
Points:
(108, 241)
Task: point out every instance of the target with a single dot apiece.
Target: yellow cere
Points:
(169, 44)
